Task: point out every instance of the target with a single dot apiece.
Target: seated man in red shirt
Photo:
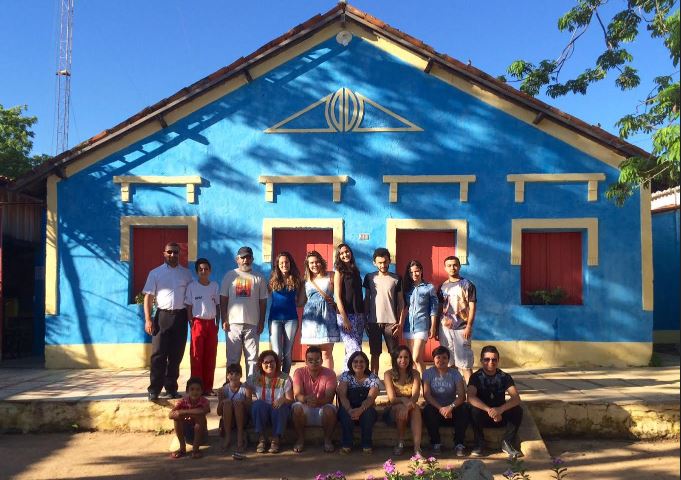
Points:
(314, 387)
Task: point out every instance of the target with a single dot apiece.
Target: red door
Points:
(147, 251)
(430, 247)
(298, 242)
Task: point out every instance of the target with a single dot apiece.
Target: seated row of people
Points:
(270, 397)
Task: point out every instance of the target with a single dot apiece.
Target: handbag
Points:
(357, 395)
(325, 295)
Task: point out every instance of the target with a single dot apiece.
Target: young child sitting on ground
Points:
(189, 416)
(234, 404)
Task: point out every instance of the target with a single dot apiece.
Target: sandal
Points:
(261, 448)
(274, 447)
(196, 454)
(399, 449)
(328, 447)
(178, 454)
(345, 450)
(237, 455)
(368, 451)
(298, 448)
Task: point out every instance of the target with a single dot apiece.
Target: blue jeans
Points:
(366, 425)
(264, 415)
(282, 333)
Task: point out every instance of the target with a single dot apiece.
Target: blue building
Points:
(346, 129)
(666, 263)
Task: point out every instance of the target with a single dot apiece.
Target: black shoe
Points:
(509, 450)
(152, 396)
(173, 395)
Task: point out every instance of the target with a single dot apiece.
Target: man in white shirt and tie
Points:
(166, 285)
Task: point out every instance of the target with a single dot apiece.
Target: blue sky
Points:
(129, 54)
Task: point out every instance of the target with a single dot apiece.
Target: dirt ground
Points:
(145, 456)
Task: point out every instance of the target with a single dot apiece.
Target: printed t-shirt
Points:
(269, 389)
(456, 296)
(443, 388)
(491, 389)
(245, 290)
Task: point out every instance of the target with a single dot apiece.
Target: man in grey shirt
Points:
(383, 302)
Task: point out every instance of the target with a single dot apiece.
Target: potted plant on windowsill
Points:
(554, 296)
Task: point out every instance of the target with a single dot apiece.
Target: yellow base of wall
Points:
(516, 354)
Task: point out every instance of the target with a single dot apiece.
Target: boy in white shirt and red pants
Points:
(202, 300)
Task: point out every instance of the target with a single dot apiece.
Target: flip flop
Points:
(298, 448)
(177, 454)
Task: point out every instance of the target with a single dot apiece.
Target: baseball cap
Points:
(244, 251)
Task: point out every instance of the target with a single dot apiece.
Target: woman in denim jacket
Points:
(419, 315)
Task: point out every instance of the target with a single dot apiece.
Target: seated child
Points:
(234, 404)
(189, 416)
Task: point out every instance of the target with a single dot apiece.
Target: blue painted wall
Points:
(224, 143)
(666, 262)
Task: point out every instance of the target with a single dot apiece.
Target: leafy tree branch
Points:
(656, 116)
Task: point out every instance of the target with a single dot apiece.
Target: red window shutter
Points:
(430, 247)
(298, 242)
(552, 260)
(147, 251)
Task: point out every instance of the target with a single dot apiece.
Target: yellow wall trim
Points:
(514, 354)
(271, 224)
(462, 180)
(459, 225)
(127, 180)
(591, 179)
(191, 222)
(646, 251)
(51, 248)
(588, 224)
(271, 180)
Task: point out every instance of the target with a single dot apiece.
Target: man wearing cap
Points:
(243, 301)
(166, 285)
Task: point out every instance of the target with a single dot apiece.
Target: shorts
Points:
(415, 335)
(461, 352)
(313, 415)
(377, 332)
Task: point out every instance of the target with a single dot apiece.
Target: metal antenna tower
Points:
(64, 75)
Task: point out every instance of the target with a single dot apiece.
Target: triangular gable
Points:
(588, 138)
(344, 111)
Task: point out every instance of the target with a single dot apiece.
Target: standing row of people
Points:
(270, 398)
(335, 309)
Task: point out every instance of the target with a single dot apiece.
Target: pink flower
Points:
(419, 471)
(389, 467)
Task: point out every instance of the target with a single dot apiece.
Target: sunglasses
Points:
(173, 252)
(490, 359)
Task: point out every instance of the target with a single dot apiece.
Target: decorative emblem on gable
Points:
(344, 111)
